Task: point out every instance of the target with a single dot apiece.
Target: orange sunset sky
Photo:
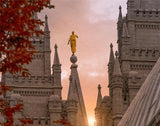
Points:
(94, 21)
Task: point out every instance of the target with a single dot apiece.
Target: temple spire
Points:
(56, 57)
(119, 24)
(57, 74)
(111, 58)
(75, 92)
(111, 63)
(120, 14)
(117, 69)
(46, 28)
(99, 98)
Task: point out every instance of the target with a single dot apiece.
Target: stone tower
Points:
(138, 49)
(40, 93)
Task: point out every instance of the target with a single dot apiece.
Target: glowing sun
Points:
(91, 121)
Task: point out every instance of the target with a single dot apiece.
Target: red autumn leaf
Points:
(5, 88)
(26, 121)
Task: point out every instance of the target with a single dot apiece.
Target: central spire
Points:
(75, 92)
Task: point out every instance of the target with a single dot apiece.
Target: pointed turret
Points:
(75, 93)
(99, 98)
(98, 109)
(111, 58)
(119, 29)
(111, 62)
(56, 68)
(120, 23)
(56, 57)
(116, 92)
(120, 19)
(120, 14)
(46, 28)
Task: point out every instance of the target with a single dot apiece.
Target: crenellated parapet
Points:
(33, 92)
(33, 80)
(149, 54)
(150, 14)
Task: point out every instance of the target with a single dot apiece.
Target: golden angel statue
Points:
(72, 41)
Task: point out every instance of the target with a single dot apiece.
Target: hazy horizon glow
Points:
(95, 24)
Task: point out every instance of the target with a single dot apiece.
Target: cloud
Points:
(106, 9)
(64, 74)
(95, 74)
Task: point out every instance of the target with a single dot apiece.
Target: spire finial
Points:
(55, 46)
(111, 45)
(99, 87)
(120, 7)
(46, 18)
(73, 59)
(111, 58)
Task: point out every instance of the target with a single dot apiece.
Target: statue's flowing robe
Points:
(73, 43)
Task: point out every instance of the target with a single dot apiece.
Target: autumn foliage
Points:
(17, 25)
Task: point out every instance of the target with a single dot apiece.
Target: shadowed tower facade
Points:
(41, 92)
(138, 50)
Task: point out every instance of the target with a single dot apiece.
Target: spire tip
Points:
(120, 7)
(99, 87)
(55, 46)
(46, 17)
